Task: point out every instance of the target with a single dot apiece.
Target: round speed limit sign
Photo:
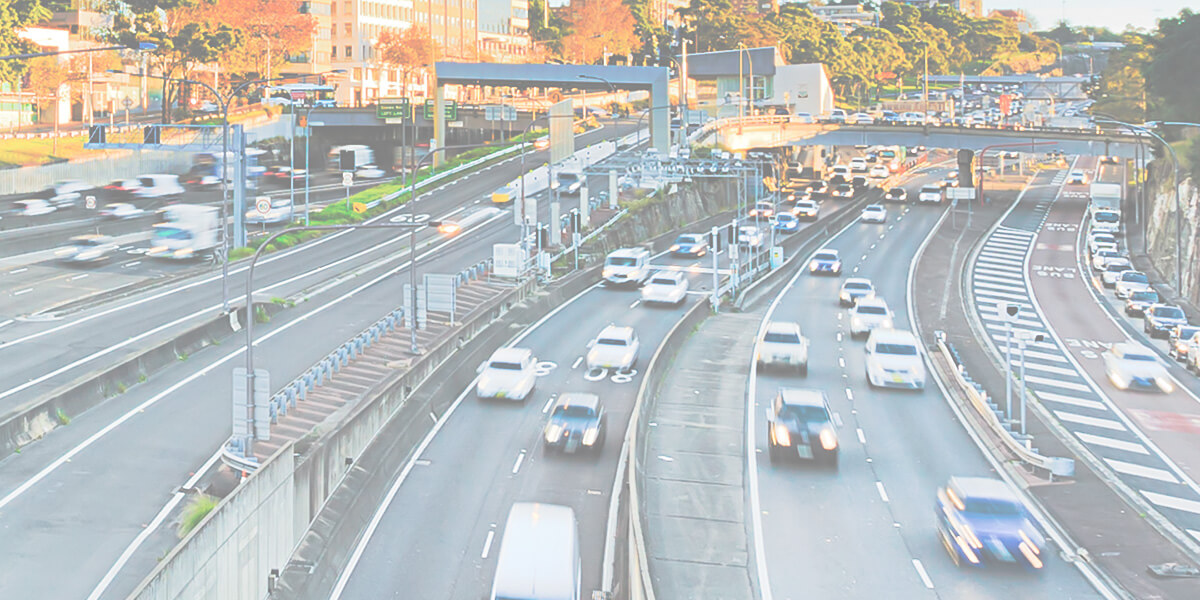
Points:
(263, 204)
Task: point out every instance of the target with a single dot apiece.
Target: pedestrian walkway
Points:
(696, 534)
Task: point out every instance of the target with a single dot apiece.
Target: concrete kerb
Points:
(36, 418)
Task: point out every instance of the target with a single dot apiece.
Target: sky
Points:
(1114, 14)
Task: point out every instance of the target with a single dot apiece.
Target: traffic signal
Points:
(966, 168)
(346, 158)
(150, 135)
(714, 240)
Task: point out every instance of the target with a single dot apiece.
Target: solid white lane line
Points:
(1090, 421)
(21, 270)
(487, 544)
(176, 498)
(1032, 366)
(1172, 502)
(921, 571)
(6, 323)
(131, 264)
(79, 276)
(1070, 385)
(520, 459)
(882, 492)
(575, 365)
(1098, 440)
(24, 291)
(862, 437)
(1073, 401)
(549, 402)
(1127, 468)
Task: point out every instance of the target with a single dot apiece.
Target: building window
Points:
(346, 28)
(333, 8)
(333, 52)
(349, 51)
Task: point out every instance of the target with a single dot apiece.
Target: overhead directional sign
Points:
(449, 110)
(394, 108)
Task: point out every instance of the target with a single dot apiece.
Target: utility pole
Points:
(925, 83)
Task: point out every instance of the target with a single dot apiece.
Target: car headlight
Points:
(485, 381)
(1117, 380)
(887, 323)
(675, 247)
(553, 432)
(591, 435)
(856, 322)
(183, 252)
(781, 435)
(607, 272)
(1164, 384)
(628, 358)
(828, 439)
(844, 296)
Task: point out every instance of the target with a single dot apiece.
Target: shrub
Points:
(195, 511)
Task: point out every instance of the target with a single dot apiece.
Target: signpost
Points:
(89, 202)
(450, 109)
(262, 204)
(394, 108)
(347, 180)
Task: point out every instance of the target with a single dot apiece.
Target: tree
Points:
(14, 15)
(271, 31)
(596, 25)
(1172, 77)
(47, 76)
(410, 51)
(1122, 92)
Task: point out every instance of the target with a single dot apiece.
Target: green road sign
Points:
(450, 108)
(394, 108)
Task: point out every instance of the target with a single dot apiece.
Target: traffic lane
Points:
(183, 426)
(444, 550)
(33, 288)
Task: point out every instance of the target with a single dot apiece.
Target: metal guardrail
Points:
(990, 412)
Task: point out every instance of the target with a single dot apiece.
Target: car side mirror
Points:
(591, 343)
(482, 366)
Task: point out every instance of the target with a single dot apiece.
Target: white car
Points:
(89, 249)
(120, 210)
(930, 193)
(1077, 177)
(510, 373)
(873, 213)
(912, 118)
(159, 186)
(863, 119)
(894, 360)
(280, 211)
(665, 287)
(879, 171)
(34, 208)
(855, 289)
(1113, 269)
(1103, 257)
(615, 348)
(868, 315)
(858, 164)
(783, 345)
(626, 265)
(369, 172)
(1131, 366)
(1098, 240)
(803, 117)
(1131, 281)
(1107, 221)
(749, 236)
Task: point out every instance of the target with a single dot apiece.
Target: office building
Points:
(503, 30)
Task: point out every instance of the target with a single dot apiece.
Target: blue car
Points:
(576, 422)
(690, 244)
(786, 222)
(981, 520)
(825, 262)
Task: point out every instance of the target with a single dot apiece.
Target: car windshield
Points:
(854, 285)
(1118, 267)
(931, 189)
(687, 239)
(1134, 277)
(610, 342)
(1138, 357)
(1106, 217)
(621, 261)
(662, 281)
(894, 193)
(781, 337)
(805, 414)
(991, 506)
(504, 365)
(573, 410)
(171, 233)
(1168, 312)
(1144, 297)
(825, 256)
(1186, 333)
(872, 310)
(897, 349)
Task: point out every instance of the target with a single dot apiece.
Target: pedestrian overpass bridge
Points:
(746, 133)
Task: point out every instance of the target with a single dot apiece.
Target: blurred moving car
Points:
(281, 211)
(1098, 240)
(369, 172)
(68, 194)
(615, 347)
(1179, 342)
(873, 213)
(930, 193)
(896, 194)
(121, 210)
(879, 171)
(869, 314)
(87, 249)
(1132, 366)
(858, 164)
(981, 520)
(749, 236)
(1131, 281)
(825, 261)
(803, 117)
(690, 244)
(159, 186)
(665, 287)
(122, 190)
(807, 210)
(577, 420)
(786, 222)
(626, 265)
(1101, 258)
(1137, 302)
(863, 119)
(855, 289)
(510, 373)
(1160, 319)
(1113, 270)
(1077, 177)
(842, 190)
(539, 551)
(784, 345)
(33, 208)
(799, 424)
(817, 187)
(894, 360)
(763, 209)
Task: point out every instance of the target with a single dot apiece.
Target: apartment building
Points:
(503, 30)
(316, 60)
(355, 27)
(971, 8)
(846, 17)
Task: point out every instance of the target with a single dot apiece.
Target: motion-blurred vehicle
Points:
(68, 194)
(690, 244)
(122, 190)
(763, 209)
(1180, 340)
(799, 425)
(577, 420)
(1113, 269)
(1131, 281)
(33, 208)
(879, 171)
(1160, 319)
(626, 265)
(786, 222)
(839, 174)
(1108, 221)
(121, 210)
(842, 190)
(615, 348)
(1137, 302)
(1132, 366)
(860, 182)
(896, 194)
(855, 289)
(539, 554)
(87, 249)
(863, 119)
(825, 261)
(749, 236)
(894, 360)
(807, 210)
(189, 231)
(369, 171)
(510, 373)
(665, 287)
(869, 314)
(783, 345)
(281, 211)
(817, 187)
(159, 186)
(1077, 177)
(541, 143)
(980, 520)
(858, 164)
(931, 194)
(1098, 240)
(873, 213)
(1103, 257)
(803, 117)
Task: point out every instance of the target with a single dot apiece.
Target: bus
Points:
(302, 94)
(206, 169)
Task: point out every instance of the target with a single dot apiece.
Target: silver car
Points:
(665, 287)
(510, 373)
(87, 249)
(1131, 366)
(615, 348)
(869, 314)
(1103, 257)
(784, 345)
(1130, 282)
(894, 360)
(1113, 270)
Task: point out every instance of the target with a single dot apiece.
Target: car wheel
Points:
(831, 460)
(773, 453)
(804, 370)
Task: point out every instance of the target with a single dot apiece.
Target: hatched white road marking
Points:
(1091, 421)
(1107, 442)
(1141, 471)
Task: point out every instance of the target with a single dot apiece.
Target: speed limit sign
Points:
(263, 204)
(347, 178)
(89, 202)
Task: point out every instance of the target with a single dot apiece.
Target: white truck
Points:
(189, 231)
(1105, 207)
(363, 155)
(569, 177)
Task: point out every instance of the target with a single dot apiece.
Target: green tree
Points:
(1173, 76)
(1122, 91)
(14, 15)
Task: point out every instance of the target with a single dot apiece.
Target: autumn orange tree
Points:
(271, 31)
(408, 51)
(596, 25)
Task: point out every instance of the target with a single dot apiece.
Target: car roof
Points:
(874, 207)
(803, 397)
(1131, 348)
(893, 336)
(870, 302)
(1161, 305)
(782, 327)
(616, 331)
(90, 237)
(676, 275)
(629, 252)
(698, 236)
(983, 487)
(511, 354)
(827, 251)
(591, 401)
(857, 280)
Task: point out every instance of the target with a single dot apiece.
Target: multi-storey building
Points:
(971, 8)
(316, 60)
(357, 24)
(846, 17)
(504, 30)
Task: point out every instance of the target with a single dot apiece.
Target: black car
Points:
(577, 420)
(818, 187)
(860, 182)
(842, 190)
(896, 195)
(799, 424)
(1160, 319)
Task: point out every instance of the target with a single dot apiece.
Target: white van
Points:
(159, 185)
(627, 265)
(539, 554)
(1108, 221)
